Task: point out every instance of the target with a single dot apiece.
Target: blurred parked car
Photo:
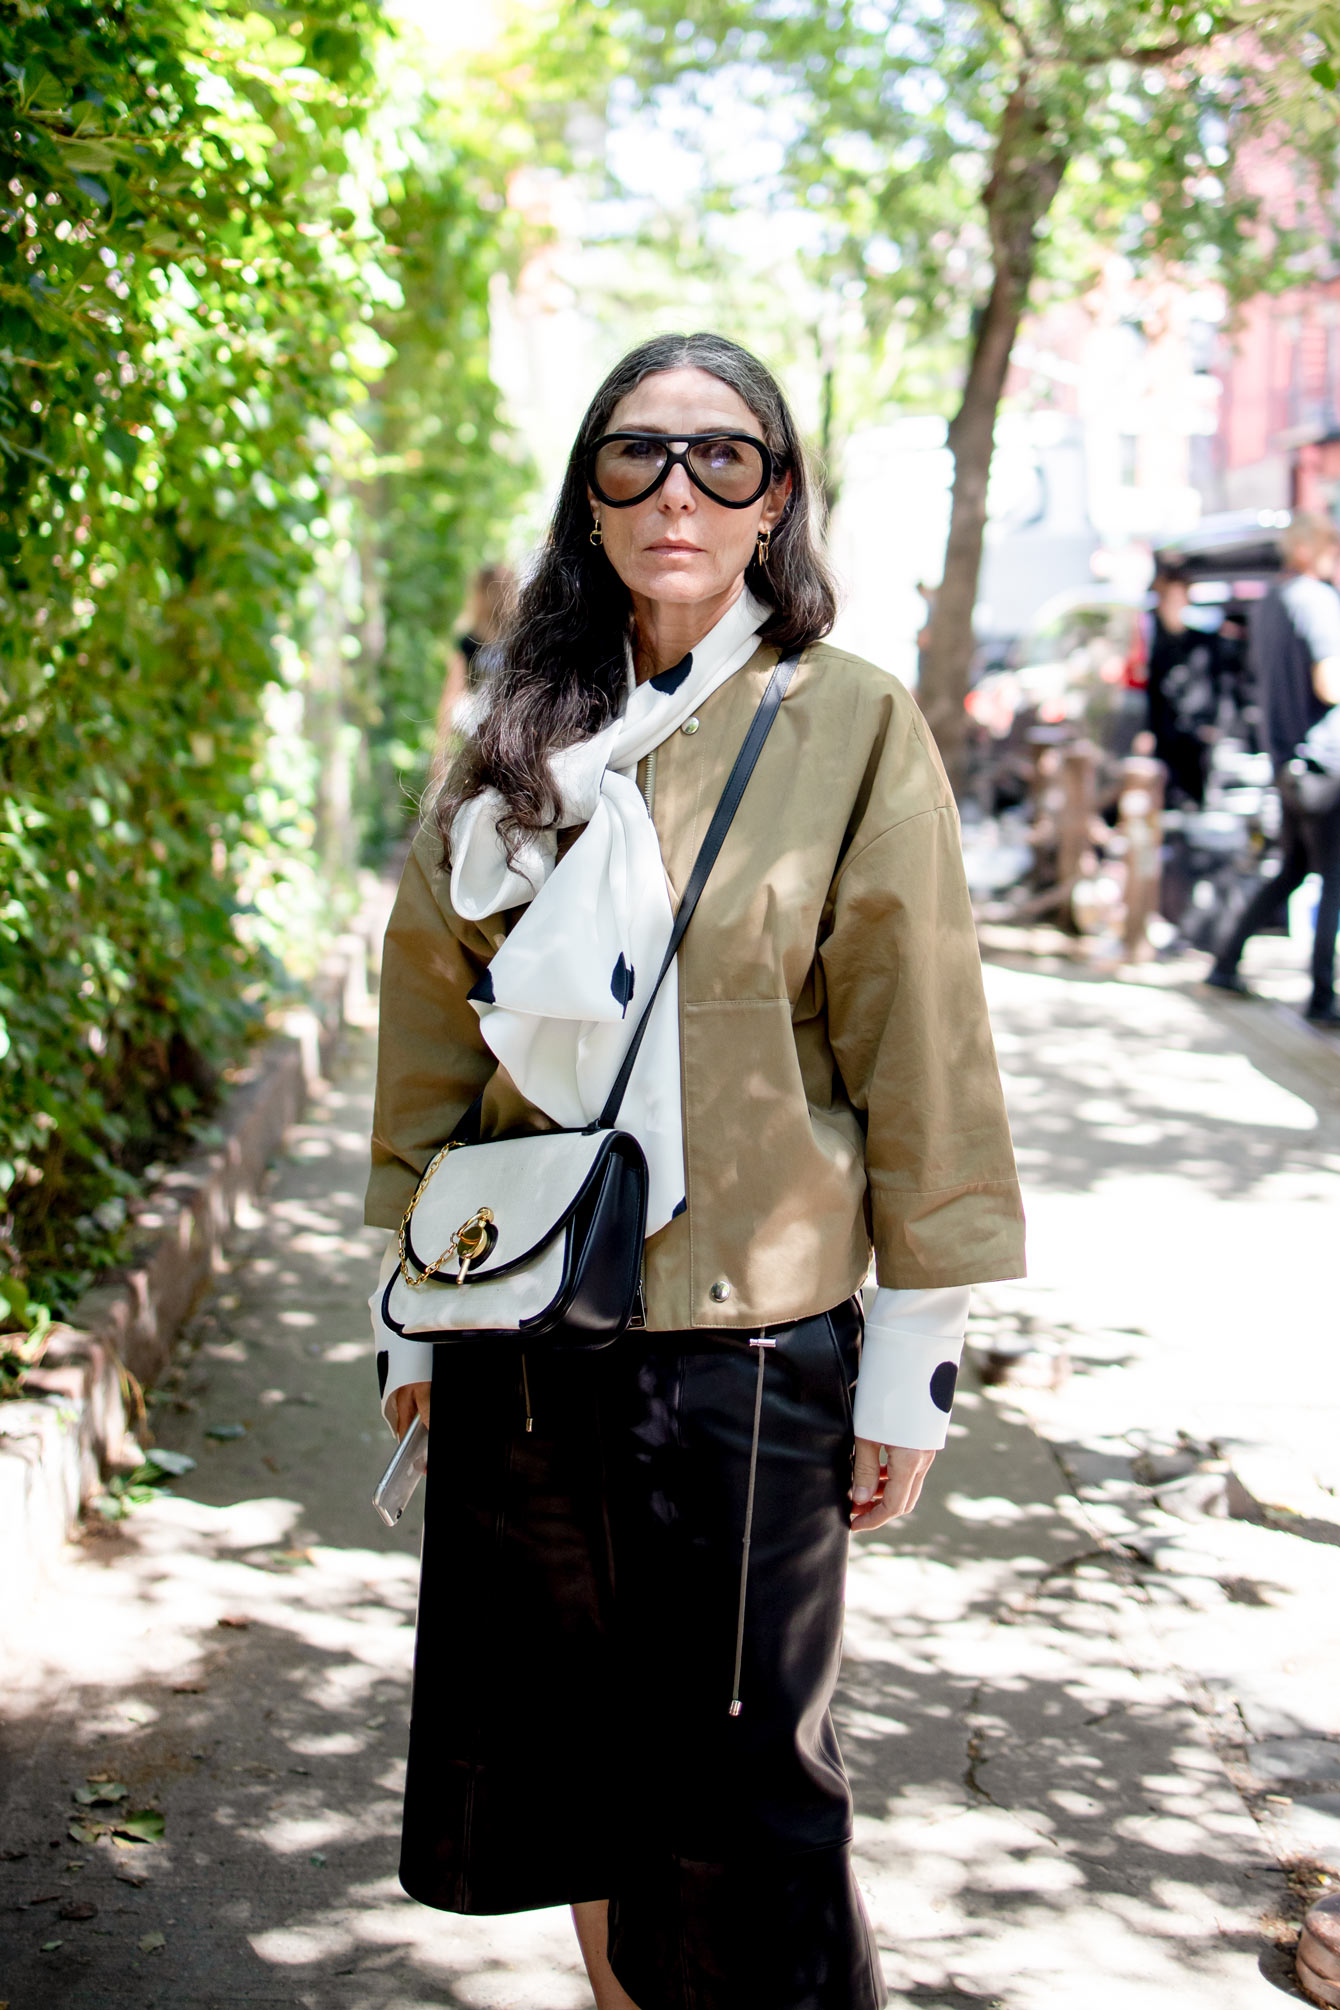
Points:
(1239, 544)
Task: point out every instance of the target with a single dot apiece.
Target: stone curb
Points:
(58, 1443)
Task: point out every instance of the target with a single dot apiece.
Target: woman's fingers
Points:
(409, 1398)
(867, 1471)
(907, 1472)
(897, 1487)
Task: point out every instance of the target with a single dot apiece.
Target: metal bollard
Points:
(1078, 809)
(1140, 823)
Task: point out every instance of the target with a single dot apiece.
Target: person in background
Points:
(1183, 690)
(1237, 691)
(486, 606)
(1294, 646)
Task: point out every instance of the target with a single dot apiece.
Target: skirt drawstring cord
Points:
(762, 1345)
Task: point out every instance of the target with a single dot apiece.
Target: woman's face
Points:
(679, 545)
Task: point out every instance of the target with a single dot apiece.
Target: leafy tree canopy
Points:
(955, 158)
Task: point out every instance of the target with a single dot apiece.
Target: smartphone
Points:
(409, 1463)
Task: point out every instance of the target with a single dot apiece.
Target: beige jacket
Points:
(840, 1083)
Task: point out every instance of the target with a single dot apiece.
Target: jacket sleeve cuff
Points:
(399, 1360)
(909, 1366)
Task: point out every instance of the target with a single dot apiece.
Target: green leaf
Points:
(145, 1826)
(172, 1463)
(101, 1793)
(125, 449)
(86, 156)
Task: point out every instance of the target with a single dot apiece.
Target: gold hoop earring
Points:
(764, 546)
(597, 536)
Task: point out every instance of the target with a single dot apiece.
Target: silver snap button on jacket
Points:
(689, 726)
(720, 1291)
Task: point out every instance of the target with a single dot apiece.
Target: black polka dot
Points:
(383, 1367)
(943, 1382)
(482, 993)
(670, 680)
(681, 1207)
(621, 983)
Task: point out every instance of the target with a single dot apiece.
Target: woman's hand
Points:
(409, 1397)
(886, 1481)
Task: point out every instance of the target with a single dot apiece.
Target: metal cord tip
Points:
(736, 1707)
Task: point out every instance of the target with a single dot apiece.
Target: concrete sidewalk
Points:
(1043, 1819)
(1181, 1156)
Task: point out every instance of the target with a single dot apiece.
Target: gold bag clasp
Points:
(471, 1240)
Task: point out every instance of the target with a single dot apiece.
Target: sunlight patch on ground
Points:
(1225, 1088)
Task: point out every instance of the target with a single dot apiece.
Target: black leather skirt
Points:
(597, 1712)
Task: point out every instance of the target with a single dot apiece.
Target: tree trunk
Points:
(1026, 174)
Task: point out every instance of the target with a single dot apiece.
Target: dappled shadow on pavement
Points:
(237, 1655)
(1033, 1798)
(1107, 1080)
(1040, 1818)
(1179, 1180)
(260, 1704)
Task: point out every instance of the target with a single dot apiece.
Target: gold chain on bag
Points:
(470, 1241)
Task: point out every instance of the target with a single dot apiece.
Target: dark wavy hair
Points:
(559, 670)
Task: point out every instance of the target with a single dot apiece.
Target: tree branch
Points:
(1163, 52)
(1007, 18)
(1141, 59)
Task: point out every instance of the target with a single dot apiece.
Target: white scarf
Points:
(563, 995)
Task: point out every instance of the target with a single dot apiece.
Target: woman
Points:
(819, 1080)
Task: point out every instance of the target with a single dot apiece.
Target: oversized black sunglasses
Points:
(734, 469)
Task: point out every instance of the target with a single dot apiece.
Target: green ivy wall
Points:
(249, 456)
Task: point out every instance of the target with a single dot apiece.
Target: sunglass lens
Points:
(627, 468)
(731, 469)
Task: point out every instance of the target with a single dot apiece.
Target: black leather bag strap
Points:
(736, 783)
(467, 1131)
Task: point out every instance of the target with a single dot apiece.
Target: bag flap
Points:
(506, 1304)
(530, 1186)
